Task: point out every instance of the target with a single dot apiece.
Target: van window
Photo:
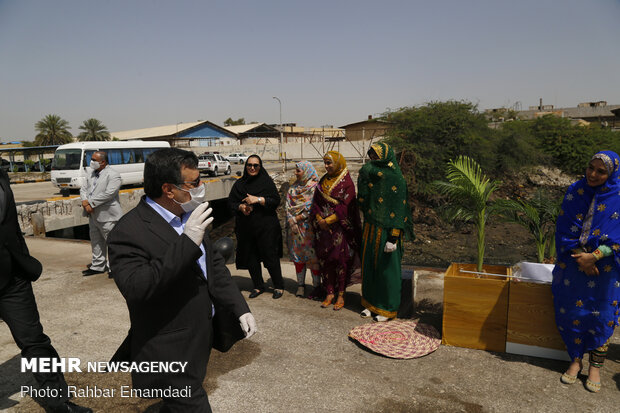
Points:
(67, 159)
(148, 151)
(115, 157)
(138, 155)
(87, 157)
(128, 155)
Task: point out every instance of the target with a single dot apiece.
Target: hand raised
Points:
(198, 222)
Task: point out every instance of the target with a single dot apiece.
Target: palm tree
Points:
(538, 215)
(52, 130)
(468, 190)
(94, 130)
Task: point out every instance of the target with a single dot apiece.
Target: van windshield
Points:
(67, 159)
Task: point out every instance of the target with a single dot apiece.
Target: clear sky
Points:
(142, 63)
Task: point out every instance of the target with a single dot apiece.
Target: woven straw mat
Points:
(401, 339)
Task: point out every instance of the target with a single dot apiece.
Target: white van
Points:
(125, 157)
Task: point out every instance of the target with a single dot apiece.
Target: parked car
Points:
(237, 157)
(213, 164)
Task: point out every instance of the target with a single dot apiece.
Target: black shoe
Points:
(277, 294)
(68, 407)
(255, 293)
(88, 272)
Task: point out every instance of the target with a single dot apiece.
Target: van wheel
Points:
(228, 170)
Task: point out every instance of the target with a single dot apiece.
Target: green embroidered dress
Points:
(382, 195)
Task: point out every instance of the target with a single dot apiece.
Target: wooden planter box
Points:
(531, 322)
(475, 307)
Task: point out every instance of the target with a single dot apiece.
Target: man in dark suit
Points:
(18, 307)
(180, 295)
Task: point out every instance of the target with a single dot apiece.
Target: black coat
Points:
(169, 300)
(14, 256)
(259, 235)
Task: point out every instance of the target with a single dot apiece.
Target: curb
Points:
(29, 181)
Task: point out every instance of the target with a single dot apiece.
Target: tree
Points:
(468, 190)
(94, 130)
(438, 132)
(517, 147)
(52, 130)
(231, 122)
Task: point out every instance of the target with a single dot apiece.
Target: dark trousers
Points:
(18, 309)
(275, 272)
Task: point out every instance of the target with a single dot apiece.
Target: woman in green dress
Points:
(382, 195)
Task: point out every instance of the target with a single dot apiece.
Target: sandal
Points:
(328, 301)
(339, 302)
(365, 313)
(568, 379)
(593, 386)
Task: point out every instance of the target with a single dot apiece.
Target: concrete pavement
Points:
(301, 360)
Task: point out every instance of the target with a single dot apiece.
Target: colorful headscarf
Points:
(340, 168)
(382, 192)
(591, 215)
(300, 194)
(586, 307)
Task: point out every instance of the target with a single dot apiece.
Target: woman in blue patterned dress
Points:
(586, 281)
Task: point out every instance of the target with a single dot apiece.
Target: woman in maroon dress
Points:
(337, 229)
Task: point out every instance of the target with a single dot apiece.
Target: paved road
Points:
(301, 360)
(45, 190)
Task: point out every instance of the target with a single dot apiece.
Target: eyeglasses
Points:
(253, 165)
(193, 184)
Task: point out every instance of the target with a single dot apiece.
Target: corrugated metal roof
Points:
(158, 131)
(237, 129)
(386, 123)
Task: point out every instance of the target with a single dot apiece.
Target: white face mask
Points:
(197, 198)
(94, 165)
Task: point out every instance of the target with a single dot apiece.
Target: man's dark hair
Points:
(164, 166)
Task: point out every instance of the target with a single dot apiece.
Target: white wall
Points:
(269, 152)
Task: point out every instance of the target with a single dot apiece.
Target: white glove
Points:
(248, 324)
(389, 247)
(197, 223)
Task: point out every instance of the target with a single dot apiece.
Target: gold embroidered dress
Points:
(337, 248)
(382, 195)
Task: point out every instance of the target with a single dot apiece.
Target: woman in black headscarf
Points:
(254, 198)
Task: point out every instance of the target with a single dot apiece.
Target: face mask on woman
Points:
(197, 198)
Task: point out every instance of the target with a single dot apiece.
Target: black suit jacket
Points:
(169, 300)
(15, 260)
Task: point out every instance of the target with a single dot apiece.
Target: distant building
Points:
(598, 112)
(255, 133)
(201, 133)
(366, 130)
